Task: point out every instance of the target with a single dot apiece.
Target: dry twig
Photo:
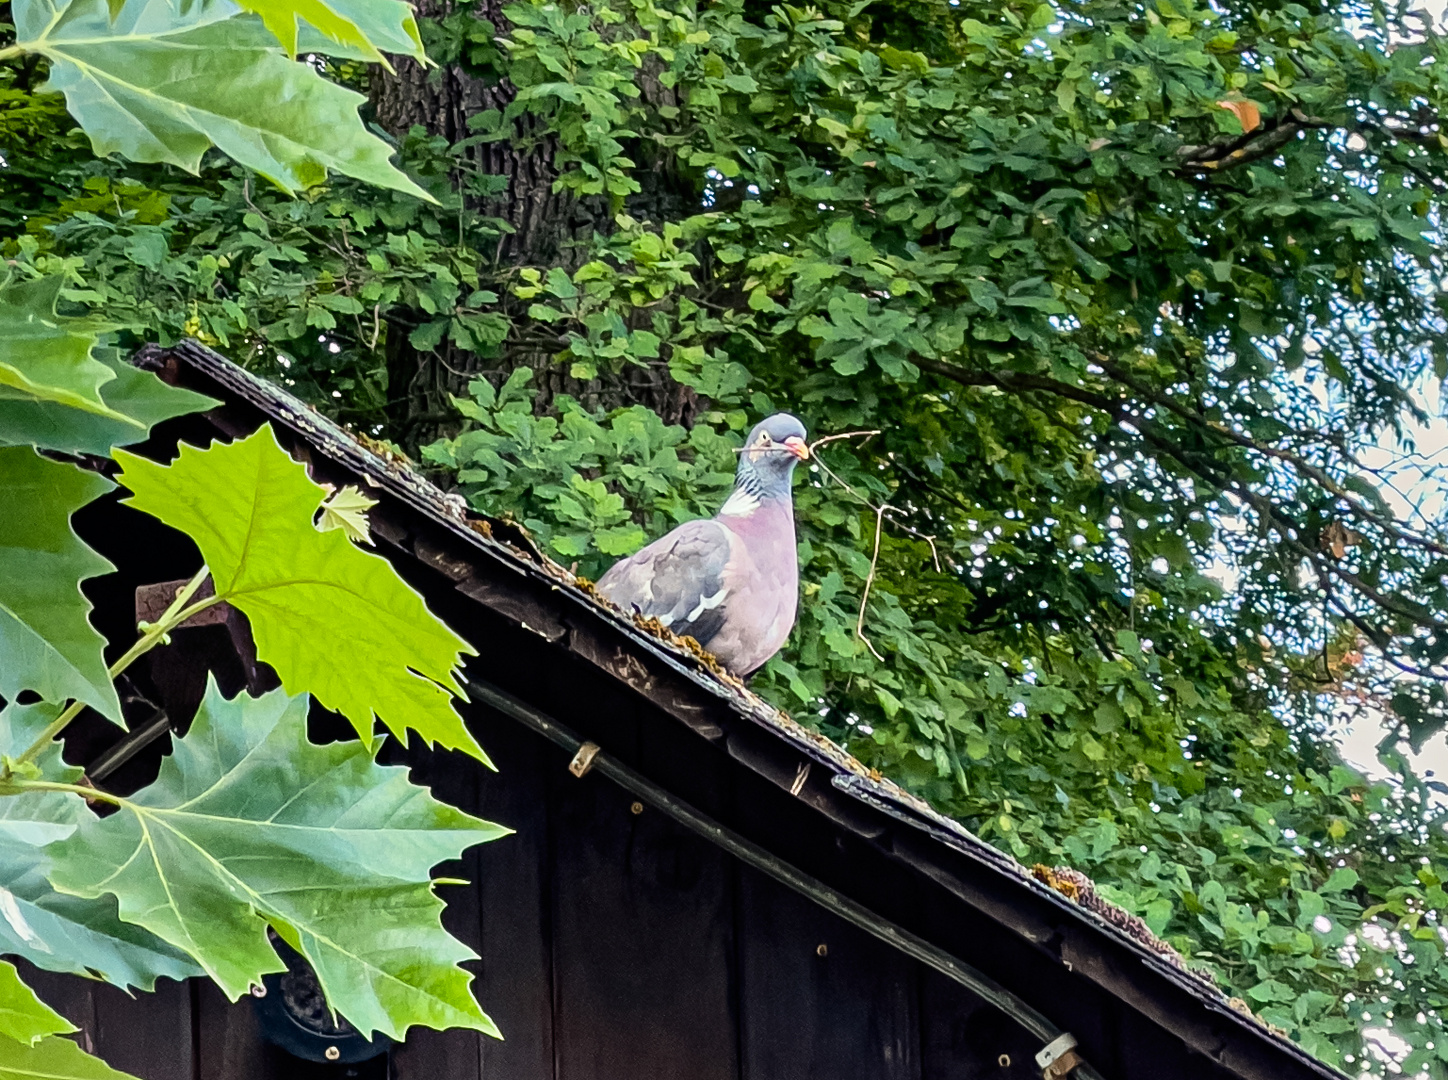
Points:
(882, 511)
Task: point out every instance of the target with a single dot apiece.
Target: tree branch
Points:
(1223, 154)
(1215, 474)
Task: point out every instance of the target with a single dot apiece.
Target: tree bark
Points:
(549, 228)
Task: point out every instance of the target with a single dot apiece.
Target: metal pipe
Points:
(752, 854)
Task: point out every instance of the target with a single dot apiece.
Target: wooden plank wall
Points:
(614, 945)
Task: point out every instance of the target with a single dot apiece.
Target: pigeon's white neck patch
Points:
(741, 502)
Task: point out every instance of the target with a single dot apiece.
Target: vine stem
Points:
(153, 635)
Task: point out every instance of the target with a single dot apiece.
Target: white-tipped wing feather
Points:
(679, 579)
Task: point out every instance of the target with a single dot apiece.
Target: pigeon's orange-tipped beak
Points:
(798, 447)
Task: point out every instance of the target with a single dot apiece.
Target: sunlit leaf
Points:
(250, 824)
(370, 27)
(47, 643)
(157, 84)
(53, 1058)
(347, 510)
(23, 1016)
(249, 507)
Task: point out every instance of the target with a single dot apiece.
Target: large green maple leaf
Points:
(250, 507)
(139, 398)
(50, 929)
(365, 28)
(250, 824)
(52, 1058)
(47, 643)
(165, 82)
(23, 1016)
(45, 358)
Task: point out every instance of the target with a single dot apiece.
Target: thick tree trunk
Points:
(549, 228)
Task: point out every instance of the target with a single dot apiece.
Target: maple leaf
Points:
(250, 508)
(347, 510)
(250, 825)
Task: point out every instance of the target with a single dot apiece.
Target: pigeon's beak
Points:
(798, 447)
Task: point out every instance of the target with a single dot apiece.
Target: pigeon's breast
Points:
(763, 582)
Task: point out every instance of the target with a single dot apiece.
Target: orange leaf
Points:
(1247, 113)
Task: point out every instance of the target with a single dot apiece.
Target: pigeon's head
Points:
(771, 452)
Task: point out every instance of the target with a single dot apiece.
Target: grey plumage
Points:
(730, 582)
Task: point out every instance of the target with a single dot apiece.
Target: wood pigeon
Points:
(731, 582)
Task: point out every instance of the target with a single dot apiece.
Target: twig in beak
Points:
(866, 435)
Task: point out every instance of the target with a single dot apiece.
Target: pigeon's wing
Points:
(679, 579)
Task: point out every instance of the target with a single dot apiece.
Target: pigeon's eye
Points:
(764, 439)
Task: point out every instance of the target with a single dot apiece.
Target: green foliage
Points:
(46, 643)
(250, 825)
(250, 510)
(515, 464)
(1131, 292)
(252, 272)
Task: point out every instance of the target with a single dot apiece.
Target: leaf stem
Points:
(153, 635)
(12, 52)
(16, 785)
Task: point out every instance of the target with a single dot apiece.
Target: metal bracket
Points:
(1059, 1057)
(583, 760)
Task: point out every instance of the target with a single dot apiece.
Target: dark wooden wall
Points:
(614, 946)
